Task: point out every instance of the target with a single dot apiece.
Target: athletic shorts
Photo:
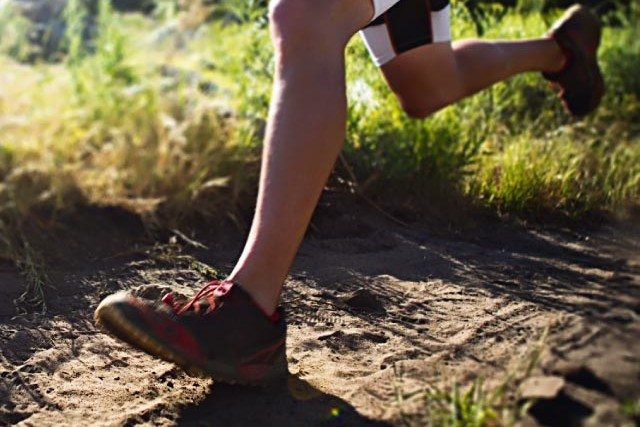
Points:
(402, 25)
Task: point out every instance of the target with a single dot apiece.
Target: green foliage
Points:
(631, 409)
(250, 70)
(15, 34)
(251, 12)
(13, 28)
(107, 66)
(477, 404)
(125, 119)
(460, 408)
(166, 9)
(620, 58)
(75, 15)
(15, 246)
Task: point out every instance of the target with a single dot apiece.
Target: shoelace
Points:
(209, 291)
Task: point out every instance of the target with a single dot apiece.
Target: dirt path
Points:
(375, 310)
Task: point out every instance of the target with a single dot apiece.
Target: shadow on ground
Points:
(584, 272)
(295, 403)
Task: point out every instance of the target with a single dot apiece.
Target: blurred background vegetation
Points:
(159, 106)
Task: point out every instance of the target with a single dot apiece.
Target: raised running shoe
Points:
(581, 84)
(221, 332)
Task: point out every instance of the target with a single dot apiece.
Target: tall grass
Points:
(112, 124)
(120, 130)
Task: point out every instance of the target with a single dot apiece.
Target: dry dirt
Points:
(376, 310)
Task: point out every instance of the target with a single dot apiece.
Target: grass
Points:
(476, 405)
(165, 115)
(18, 249)
(631, 409)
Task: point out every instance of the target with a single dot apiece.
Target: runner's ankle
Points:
(259, 294)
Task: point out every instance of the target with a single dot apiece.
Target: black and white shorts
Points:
(402, 25)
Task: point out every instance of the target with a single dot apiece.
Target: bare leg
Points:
(434, 76)
(304, 135)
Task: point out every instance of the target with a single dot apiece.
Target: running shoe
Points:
(221, 332)
(580, 81)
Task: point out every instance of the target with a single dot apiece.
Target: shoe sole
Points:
(580, 107)
(111, 320)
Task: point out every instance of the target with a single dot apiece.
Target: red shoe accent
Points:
(170, 331)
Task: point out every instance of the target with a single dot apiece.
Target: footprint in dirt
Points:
(339, 340)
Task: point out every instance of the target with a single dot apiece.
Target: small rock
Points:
(332, 334)
(362, 299)
(583, 376)
(542, 387)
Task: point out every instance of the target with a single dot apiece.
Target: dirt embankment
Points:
(375, 309)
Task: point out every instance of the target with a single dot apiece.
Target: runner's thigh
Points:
(399, 26)
(411, 42)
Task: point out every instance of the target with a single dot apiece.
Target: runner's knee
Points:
(423, 108)
(416, 113)
(438, 84)
(288, 18)
(294, 25)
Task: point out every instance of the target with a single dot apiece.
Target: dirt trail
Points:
(374, 309)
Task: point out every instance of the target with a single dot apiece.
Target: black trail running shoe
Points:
(220, 332)
(580, 80)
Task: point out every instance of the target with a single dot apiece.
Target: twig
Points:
(358, 190)
(190, 241)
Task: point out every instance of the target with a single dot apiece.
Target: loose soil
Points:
(376, 311)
